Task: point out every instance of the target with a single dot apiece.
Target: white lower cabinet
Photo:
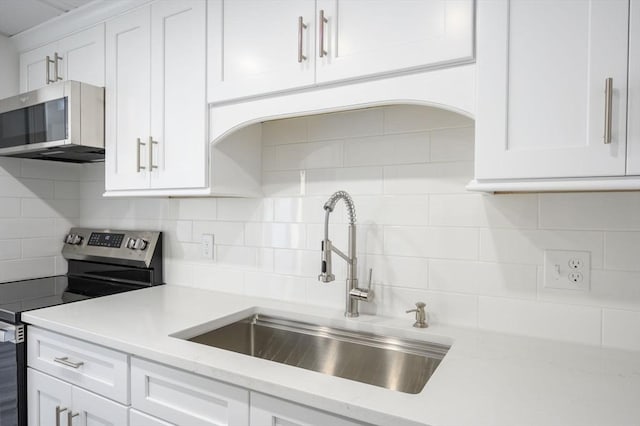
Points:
(54, 402)
(138, 418)
(267, 410)
(184, 398)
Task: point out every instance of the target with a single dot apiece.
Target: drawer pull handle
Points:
(70, 416)
(65, 361)
(301, 26)
(608, 106)
(321, 21)
(59, 410)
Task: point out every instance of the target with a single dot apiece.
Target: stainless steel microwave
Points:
(61, 122)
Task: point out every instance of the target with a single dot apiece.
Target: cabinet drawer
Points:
(184, 398)
(267, 410)
(96, 368)
(137, 418)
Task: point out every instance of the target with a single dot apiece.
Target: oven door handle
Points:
(11, 333)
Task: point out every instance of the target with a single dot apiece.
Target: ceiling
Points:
(19, 15)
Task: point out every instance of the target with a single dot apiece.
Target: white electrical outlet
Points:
(568, 270)
(207, 246)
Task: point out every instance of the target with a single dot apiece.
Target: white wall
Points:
(38, 204)
(9, 81)
(476, 260)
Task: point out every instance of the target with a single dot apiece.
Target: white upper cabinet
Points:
(79, 57)
(544, 107)
(156, 97)
(361, 37)
(633, 134)
(258, 47)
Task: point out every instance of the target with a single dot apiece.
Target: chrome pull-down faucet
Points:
(353, 292)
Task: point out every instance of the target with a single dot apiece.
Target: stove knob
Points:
(136, 244)
(73, 239)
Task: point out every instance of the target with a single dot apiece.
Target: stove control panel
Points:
(102, 245)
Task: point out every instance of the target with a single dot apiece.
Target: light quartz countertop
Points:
(485, 379)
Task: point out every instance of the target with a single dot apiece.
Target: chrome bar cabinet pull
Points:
(65, 361)
(138, 165)
(47, 62)
(608, 106)
(151, 143)
(56, 71)
(58, 412)
(301, 26)
(322, 20)
(70, 416)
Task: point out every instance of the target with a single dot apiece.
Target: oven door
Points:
(12, 377)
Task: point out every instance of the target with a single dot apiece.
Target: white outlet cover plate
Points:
(558, 264)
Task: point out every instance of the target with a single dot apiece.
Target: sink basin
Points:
(397, 364)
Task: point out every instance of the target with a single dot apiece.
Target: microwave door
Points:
(14, 128)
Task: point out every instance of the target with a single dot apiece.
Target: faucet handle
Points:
(364, 294)
(421, 316)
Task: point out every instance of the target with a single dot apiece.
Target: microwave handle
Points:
(11, 333)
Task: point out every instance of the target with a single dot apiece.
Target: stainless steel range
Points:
(101, 262)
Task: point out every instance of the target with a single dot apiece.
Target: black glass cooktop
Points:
(20, 296)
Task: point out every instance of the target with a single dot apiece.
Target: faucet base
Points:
(351, 314)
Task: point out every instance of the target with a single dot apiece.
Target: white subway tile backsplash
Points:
(410, 118)
(393, 210)
(10, 207)
(395, 271)
(354, 180)
(66, 190)
(315, 155)
(438, 243)
(476, 260)
(449, 145)
(27, 268)
(525, 246)
(518, 281)
(430, 178)
(408, 148)
(193, 208)
(275, 286)
(245, 209)
(622, 251)
(10, 166)
(276, 235)
(10, 249)
(35, 207)
(283, 184)
(566, 322)
(41, 247)
(621, 329)
(591, 211)
(51, 170)
(26, 228)
(350, 124)
(285, 131)
(478, 210)
(225, 233)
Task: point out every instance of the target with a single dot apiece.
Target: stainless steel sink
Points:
(392, 363)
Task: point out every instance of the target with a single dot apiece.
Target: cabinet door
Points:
(267, 410)
(542, 67)
(362, 37)
(33, 67)
(47, 398)
(633, 150)
(178, 94)
(254, 46)
(127, 100)
(90, 409)
(83, 56)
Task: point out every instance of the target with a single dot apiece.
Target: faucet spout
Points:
(353, 292)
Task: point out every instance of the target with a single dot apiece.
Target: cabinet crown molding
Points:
(78, 19)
